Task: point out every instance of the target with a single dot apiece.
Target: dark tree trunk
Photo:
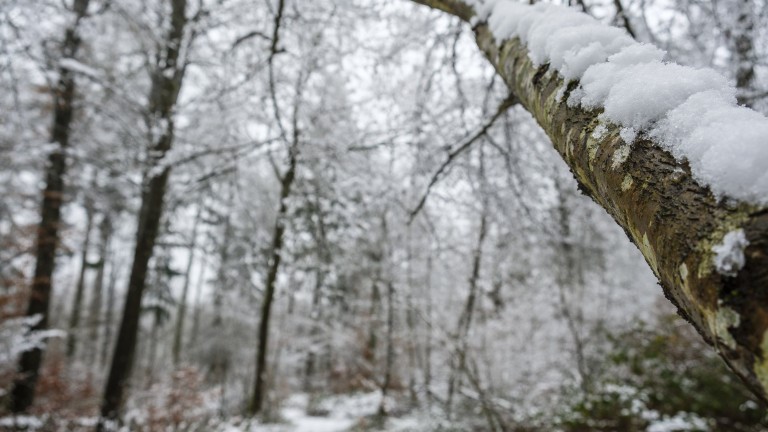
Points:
(23, 392)
(125, 347)
(286, 182)
(166, 82)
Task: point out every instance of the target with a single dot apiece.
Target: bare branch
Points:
(458, 150)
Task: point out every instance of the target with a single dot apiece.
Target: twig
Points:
(506, 104)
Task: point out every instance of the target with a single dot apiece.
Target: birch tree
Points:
(681, 226)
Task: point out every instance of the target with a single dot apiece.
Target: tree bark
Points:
(672, 219)
(23, 392)
(166, 82)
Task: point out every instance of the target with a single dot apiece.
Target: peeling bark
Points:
(672, 219)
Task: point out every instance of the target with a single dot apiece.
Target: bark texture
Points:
(672, 219)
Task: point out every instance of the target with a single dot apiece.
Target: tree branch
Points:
(458, 150)
(674, 221)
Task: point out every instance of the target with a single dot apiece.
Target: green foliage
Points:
(663, 377)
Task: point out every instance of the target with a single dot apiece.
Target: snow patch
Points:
(77, 67)
(729, 255)
(21, 422)
(628, 134)
(621, 154)
(680, 422)
(599, 131)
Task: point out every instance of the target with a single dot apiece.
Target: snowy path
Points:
(304, 423)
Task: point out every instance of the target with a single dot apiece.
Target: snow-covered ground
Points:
(340, 413)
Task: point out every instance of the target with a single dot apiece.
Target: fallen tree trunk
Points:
(674, 221)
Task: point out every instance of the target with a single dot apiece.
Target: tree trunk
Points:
(428, 336)
(152, 351)
(286, 182)
(94, 310)
(315, 316)
(570, 277)
(166, 82)
(389, 362)
(23, 392)
(77, 303)
(742, 41)
(109, 314)
(182, 312)
(465, 319)
(672, 219)
(195, 330)
(324, 259)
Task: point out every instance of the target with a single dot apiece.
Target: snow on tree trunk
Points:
(679, 225)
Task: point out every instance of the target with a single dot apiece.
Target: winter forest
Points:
(383, 215)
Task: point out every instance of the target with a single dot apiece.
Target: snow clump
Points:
(729, 255)
(692, 113)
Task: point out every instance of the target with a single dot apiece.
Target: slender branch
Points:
(622, 14)
(453, 7)
(273, 51)
(458, 150)
(249, 35)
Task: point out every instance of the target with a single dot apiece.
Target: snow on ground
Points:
(21, 422)
(340, 414)
(301, 422)
(343, 413)
(690, 112)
